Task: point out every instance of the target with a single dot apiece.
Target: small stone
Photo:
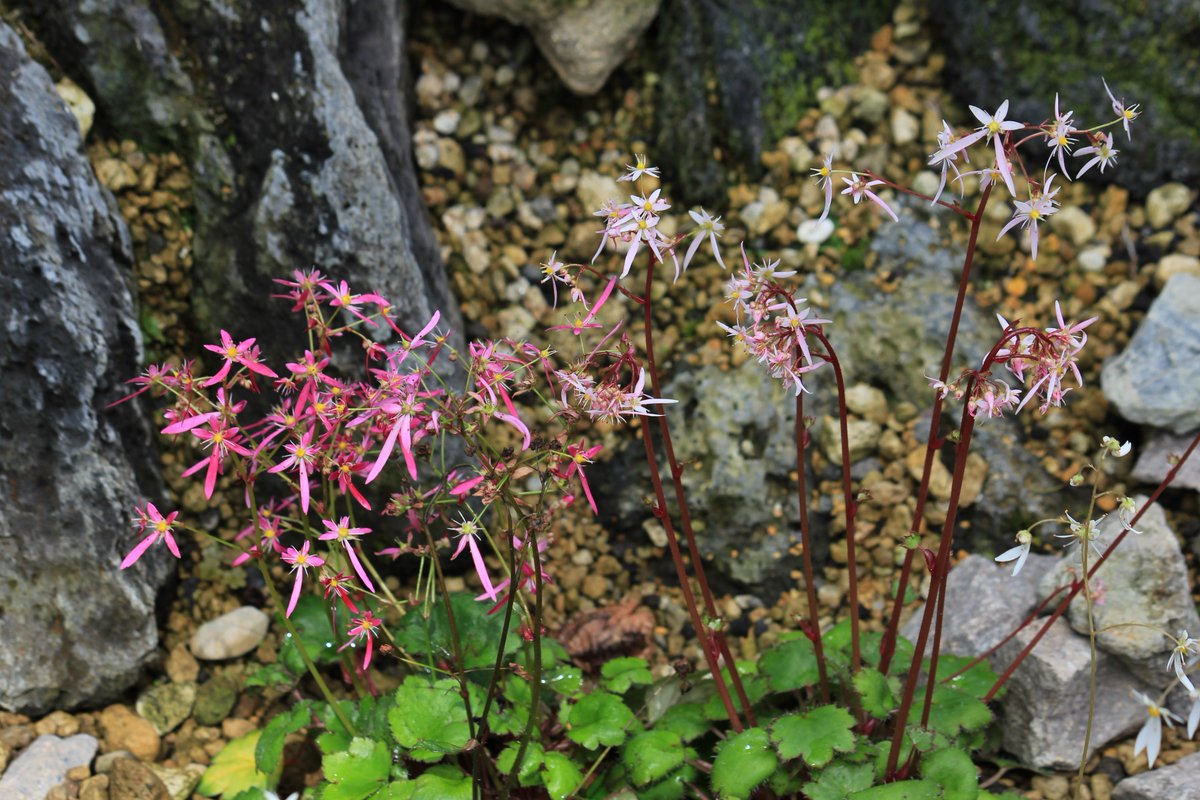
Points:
(1053, 787)
(235, 728)
(1094, 259)
(215, 698)
(594, 190)
(94, 788)
(115, 174)
(867, 402)
(124, 730)
(44, 764)
(1075, 224)
(595, 586)
(813, 231)
(106, 761)
(78, 103)
(863, 439)
(1175, 264)
(905, 127)
(1176, 781)
(446, 122)
(230, 635)
(1166, 203)
(167, 705)
(59, 723)
(179, 783)
(869, 104)
(131, 780)
(181, 666)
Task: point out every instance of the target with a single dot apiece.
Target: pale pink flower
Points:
(1029, 213)
(640, 167)
(1102, 153)
(1125, 113)
(995, 126)
(824, 176)
(1058, 137)
(709, 228)
(858, 187)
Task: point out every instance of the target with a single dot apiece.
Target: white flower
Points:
(1126, 113)
(1181, 654)
(824, 176)
(1019, 553)
(1194, 715)
(1112, 447)
(710, 228)
(268, 795)
(1149, 738)
(1040, 206)
(640, 168)
(1103, 154)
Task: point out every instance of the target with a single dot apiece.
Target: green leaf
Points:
(954, 710)
(271, 676)
(479, 633)
(429, 718)
(233, 769)
(900, 790)
(312, 621)
(742, 763)
(687, 720)
(675, 786)
(531, 764)
(562, 679)
(443, 782)
(977, 681)
(621, 673)
(954, 771)
(756, 687)
(358, 772)
(871, 642)
(792, 665)
(653, 755)
(560, 776)
(269, 749)
(598, 719)
(814, 735)
(838, 780)
(876, 692)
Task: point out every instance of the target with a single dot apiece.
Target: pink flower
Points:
(302, 455)
(244, 353)
(336, 584)
(364, 627)
(161, 528)
(578, 457)
(467, 530)
(300, 560)
(1057, 137)
(342, 532)
(221, 440)
(858, 187)
(1103, 153)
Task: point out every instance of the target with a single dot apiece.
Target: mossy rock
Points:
(215, 700)
(766, 61)
(1026, 51)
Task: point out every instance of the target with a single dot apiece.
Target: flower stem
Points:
(814, 610)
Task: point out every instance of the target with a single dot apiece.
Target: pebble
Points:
(446, 122)
(215, 699)
(1075, 224)
(115, 174)
(45, 764)
(1174, 264)
(595, 586)
(1094, 259)
(813, 231)
(167, 705)
(130, 780)
(179, 783)
(79, 104)
(594, 190)
(230, 635)
(124, 730)
(181, 666)
(1166, 203)
(94, 788)
(58, 723)
(905, 127)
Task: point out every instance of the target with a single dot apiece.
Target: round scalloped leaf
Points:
(815, 735)
(560, 775)
(598, 719)
(744, 761)
(789, 666)
(358, 772)
(901, 790)
(839, 780)
(621, 673)
(954, 710)
(653, 755)
(429, 718)
(876, 692)
(954, 771)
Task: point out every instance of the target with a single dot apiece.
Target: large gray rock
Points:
(297, 136)
(1154, 380)
(1174, 782)
(1027, 50)
(1154, 460)
(1145, 582)
(1043, 714)
(584, 40)
(74, 628)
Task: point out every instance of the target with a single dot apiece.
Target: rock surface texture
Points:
(295, 126)
(1026, 51)
(1174, 782)
(584, 41)
(1154, 381)
(74, 629)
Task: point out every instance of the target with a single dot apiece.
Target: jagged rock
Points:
(766, 62)
(74, 629)
(44, 764)
(1153, 460)
(294, 124)
(1154, 380)
(1026, 51)
(1043, 714)
(1176, 781)
(1144, 581)
(583, 41)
